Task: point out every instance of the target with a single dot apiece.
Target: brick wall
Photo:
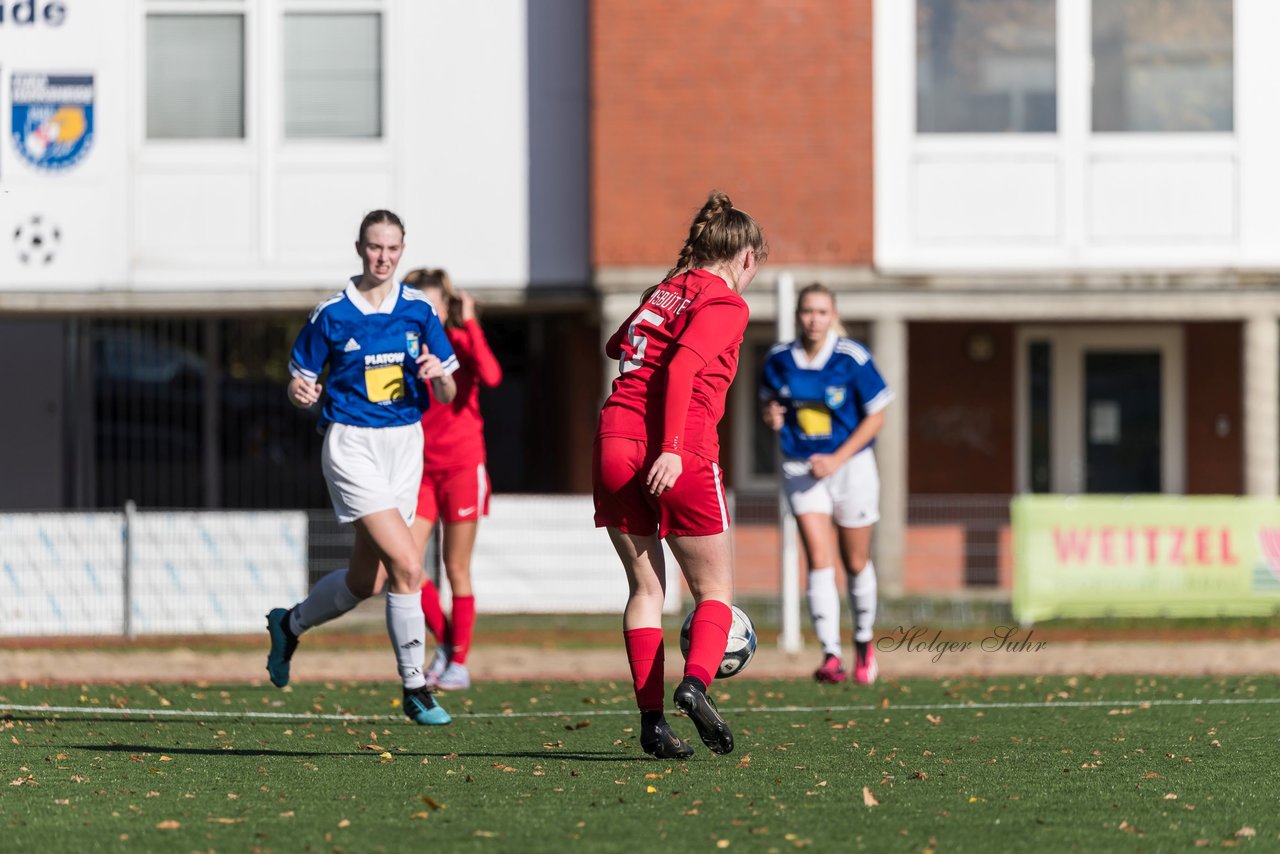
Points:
(769, 101)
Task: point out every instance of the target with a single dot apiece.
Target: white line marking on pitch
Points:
(777, 710)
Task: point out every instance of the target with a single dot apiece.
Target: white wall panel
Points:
(463, 115)
(986, 200)
(1162, 199)
(318, 213)
(181, 217)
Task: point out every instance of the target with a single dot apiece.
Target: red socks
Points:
(457, 635)
(432, 611)
(647, 658)
(708, 637)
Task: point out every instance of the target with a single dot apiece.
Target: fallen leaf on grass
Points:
(225, 820)
(488, 834)
(384, 755)
(346, 822)
(431, 802)
(868, 798)
(934, 719)
(1170, 797)
(650, 790)
(170, 824)
(1246, 833)
(1152, 775)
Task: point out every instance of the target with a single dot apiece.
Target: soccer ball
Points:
(36, 240)
(742, 643)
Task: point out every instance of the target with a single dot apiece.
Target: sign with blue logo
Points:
(52, 118)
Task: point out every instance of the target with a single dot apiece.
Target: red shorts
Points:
(454, 495)
(694, 507)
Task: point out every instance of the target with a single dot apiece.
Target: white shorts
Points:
(851, 495)
(372, 468)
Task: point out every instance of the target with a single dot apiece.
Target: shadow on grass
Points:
(576, 755)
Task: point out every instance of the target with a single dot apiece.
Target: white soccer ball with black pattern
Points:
(36, 240)
(742, 643)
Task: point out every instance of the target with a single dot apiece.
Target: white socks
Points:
(408, 630)
(862, 602)
(328, 599)
(824, 608)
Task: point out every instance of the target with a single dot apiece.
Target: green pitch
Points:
(1049, 763)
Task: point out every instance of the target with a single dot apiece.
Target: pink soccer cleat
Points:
(865, 669)
(831, 671)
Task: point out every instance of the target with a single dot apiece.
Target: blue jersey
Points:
(826, 398)
(371, 353)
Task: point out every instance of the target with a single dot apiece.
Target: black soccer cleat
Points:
(701, 709)
(659, 740)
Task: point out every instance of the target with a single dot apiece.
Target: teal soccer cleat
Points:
(422, 708)
(283, 644)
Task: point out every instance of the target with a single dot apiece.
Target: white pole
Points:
(789, 553)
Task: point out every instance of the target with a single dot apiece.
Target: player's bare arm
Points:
(431, 370)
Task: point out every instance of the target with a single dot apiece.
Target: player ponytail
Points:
(718, 232)
(425, 278)
(819, 288)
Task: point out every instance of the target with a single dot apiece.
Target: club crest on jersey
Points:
(835, 396)
(411, 344)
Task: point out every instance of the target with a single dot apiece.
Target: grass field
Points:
(1100, 763)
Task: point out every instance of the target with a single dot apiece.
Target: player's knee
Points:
(362, 588)
(857, 563)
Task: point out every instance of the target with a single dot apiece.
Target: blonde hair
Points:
(435, 277)
(819, 288)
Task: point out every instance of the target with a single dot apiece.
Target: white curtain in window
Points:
(195, 76)
(332, 76)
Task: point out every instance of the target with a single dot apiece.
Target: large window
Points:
(332, 76)
(986, 66)
(195, 76)
(1163, 65)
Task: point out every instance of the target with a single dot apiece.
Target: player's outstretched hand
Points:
(664, 472)
(303, 392)
(773, 413)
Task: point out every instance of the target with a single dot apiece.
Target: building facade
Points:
(180, 181)
(1053, 221)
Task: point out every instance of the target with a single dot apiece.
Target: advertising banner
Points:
(1145, 556)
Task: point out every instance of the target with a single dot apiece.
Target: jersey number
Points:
(637, 340)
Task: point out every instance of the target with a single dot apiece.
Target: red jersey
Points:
(454, 432)
(697, 310)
